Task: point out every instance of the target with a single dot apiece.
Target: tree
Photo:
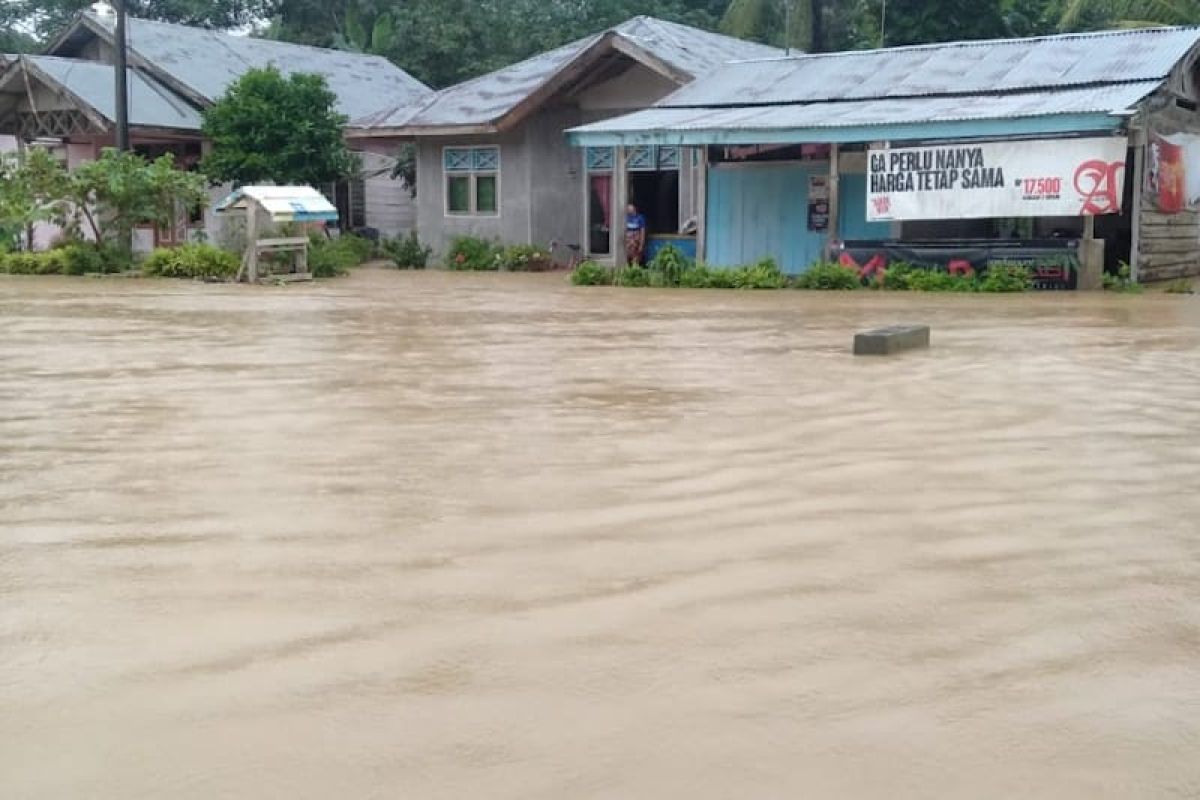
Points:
(268, 128)
(48, 17)
(33, 188)
(121, 189)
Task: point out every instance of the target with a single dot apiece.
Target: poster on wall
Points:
(1043, 178)
(1173, 173)
(818, 202)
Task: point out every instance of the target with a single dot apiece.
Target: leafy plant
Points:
(933, 280)
(329, 258)
(406, 252)
(1122, 282)
(1180, 286)
(473, 253)
(1001, 277)
(633, 275)
(828, 277)
(524, 258)
(191, 261)
(763, 275)
(589, 273)
(70, 259)
(671, 264)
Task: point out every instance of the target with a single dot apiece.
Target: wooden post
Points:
(1135, 219)
(251, 240)
(620, 200)
(831, 235)
(702, 205)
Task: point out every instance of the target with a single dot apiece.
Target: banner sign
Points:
(1173, 173)
(1045, 178)
(818, 203)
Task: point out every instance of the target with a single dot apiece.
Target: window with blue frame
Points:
(472, 180)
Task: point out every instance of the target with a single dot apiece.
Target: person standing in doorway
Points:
(635, 235)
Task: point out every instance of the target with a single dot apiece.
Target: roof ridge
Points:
(1046, 87)
(225, 33)
(966, 43)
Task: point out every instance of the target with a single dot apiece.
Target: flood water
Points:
(490, 536)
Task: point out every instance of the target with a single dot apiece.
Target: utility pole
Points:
(119, 68)
(883, 24)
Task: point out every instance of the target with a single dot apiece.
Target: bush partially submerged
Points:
(524, 258)
(76, 258)
(406, 252)
(473, 253)
(671, 269)
(328, 258)
(197, 261)
(829, 277)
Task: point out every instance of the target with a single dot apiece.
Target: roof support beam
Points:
(895, 132)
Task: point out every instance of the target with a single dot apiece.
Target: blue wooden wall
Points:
(756, 211)
(852, 210)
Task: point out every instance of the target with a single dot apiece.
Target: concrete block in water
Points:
(892, 339)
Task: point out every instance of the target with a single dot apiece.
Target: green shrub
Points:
(406, 252)
(933, 280)
(633, 275)
(1006, 278)
(524, 258)
(828, 277)
(21, 263)
(328, 258)
(670, 264)
(698, 276)
(1180, 286)
(191, 261)
(473, 253)
(1121, 282)
(898, 276)
(589, 273)
(763, 275)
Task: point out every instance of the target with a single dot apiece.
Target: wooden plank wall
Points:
(1169, 244)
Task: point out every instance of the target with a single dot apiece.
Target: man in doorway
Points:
(635, 235)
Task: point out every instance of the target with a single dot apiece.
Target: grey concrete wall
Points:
(511, 226)
(556, 177)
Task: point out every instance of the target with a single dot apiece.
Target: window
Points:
(472, 180)
(599, 164)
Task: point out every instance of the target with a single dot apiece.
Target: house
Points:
(1067, 153)
(492, 160)
(65, 98)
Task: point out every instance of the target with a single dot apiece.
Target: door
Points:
(761, 210)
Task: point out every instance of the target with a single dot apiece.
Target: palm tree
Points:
(789, 23)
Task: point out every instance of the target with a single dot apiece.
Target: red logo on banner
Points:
(882, 204)
(1097, 182)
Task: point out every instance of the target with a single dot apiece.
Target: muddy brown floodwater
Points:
(434, 535)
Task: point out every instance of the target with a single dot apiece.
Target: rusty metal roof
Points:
(150, 103)
(208, 61)
(1078, 59)
(820, 120)
(688, 51)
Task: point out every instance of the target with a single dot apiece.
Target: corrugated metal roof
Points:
(954, 68)
(207, 62)
(150, 103)
(489, 97)
(757, 120)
